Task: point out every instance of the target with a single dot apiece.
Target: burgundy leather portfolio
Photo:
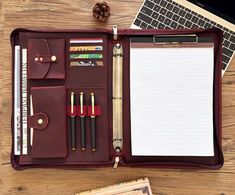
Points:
(73, 103)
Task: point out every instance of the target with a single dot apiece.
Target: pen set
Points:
(82, 111)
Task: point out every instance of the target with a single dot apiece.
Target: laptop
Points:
(183, 14)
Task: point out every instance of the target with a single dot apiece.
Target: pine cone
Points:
(101, 11)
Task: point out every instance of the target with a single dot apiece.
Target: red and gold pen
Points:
(73, 120)
(93, 127)
(82, 120)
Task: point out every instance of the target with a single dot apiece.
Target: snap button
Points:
(36, 59)
(41, 59)
(53, 58)
(40, 121)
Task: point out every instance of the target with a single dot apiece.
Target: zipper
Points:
(116, 161)
(115, 34)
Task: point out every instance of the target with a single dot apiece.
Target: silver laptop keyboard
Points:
(163, 14)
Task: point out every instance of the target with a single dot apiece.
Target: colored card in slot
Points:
(86, 48)
(86, 40)
(86, 63)
(86, 56)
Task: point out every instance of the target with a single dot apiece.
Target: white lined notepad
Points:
(171, 101)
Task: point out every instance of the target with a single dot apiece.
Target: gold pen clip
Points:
(92, 105)
(81, 102)
(72, 102)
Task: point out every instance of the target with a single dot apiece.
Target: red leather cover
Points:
(99, 81)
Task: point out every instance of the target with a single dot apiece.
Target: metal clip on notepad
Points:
(172, 39)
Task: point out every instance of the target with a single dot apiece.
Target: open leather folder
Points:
(88, 98)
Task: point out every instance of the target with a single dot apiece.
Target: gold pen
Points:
(82, 118)
(93, 127)
(73, 121)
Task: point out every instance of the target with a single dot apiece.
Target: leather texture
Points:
(46, 58)
(51, 142)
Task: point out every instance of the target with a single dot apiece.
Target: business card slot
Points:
(86, 66)
(86, 54)
(87, 63)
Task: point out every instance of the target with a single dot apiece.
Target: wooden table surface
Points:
(76, 14)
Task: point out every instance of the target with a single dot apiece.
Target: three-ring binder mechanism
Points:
(117, 98)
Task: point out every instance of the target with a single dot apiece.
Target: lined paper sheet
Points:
(171, 101)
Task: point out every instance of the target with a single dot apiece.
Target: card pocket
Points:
(47, 122)
(46, 58)
(87, 62)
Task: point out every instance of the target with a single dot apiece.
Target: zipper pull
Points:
(116, 162)
(115, 32)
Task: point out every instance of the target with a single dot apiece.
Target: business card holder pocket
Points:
(48, 122)
(87, 76)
